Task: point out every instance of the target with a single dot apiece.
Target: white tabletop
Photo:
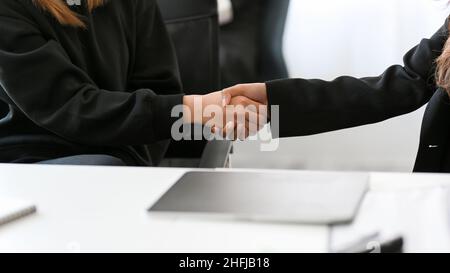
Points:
(92, 209)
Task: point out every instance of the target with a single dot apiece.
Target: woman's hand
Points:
(253, 91)
(229, 112)
(254, 99)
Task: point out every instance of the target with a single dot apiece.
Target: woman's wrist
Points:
(195, 105)
(189, 108)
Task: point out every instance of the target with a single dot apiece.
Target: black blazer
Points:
(434, 148)
(314, 106)
(251, 46)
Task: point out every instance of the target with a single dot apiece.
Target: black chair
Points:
(252, 45)
(272, 62)
(193, 26)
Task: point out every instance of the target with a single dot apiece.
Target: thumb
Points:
(234, 91)
(226, 98)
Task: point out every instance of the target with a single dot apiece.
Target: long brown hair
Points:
(62, 13)
(443, 67)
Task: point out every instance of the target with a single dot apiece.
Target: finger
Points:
(226, 98)
(216, 130)
(241, 132)
(250, 118)
(252, 121)
(229, 131)
(245, 101)
(242, 103)
(234, 91)
(238, 132)
(259, 122)
(247, 129)
(253, 129)
(258, 119)
(250, 130)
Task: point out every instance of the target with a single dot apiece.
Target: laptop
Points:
(306, 198)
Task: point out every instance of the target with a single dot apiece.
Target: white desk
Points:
(104, 209)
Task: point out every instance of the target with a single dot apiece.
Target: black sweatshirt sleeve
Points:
(314, 106)
(39, 78)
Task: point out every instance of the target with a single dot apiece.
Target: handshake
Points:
(234, 113)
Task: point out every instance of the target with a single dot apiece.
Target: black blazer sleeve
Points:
(315, 106)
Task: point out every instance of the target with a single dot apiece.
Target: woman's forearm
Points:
(315, 106)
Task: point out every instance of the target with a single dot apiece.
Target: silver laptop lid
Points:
(299, 197)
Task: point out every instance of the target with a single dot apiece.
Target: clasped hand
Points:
(234, 113)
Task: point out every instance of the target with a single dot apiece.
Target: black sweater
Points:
(108, 89)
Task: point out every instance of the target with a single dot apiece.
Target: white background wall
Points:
(328, 38)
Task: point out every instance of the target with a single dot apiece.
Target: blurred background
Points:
(328, 38)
